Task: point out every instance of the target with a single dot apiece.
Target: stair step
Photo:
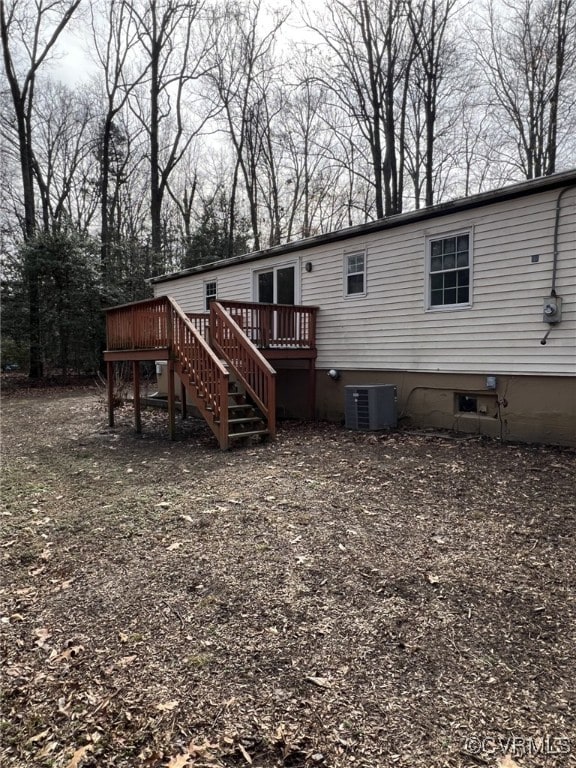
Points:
(245, 420)
(238, 406)
(234, 435)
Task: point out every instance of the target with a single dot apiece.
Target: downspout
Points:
(553, 293)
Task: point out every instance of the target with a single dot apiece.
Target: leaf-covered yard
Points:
(331, 599)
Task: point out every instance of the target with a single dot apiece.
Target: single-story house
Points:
(465, 310)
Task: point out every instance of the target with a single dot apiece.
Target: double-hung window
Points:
(210, 290)
(450, 271)
(355, 274)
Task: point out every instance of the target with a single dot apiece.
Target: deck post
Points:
(224, 440)
(110, 390)
(171, 401)
(136, 385)
(312, 388)
(183, 401)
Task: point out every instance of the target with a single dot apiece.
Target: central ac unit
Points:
(370, 406)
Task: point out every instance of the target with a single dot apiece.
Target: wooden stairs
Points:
(226, 378)
(245, 420)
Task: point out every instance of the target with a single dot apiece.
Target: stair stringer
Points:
(199, 402)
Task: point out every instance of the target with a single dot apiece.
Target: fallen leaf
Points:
(507, 762)
(174, 545)
(163, 504)
(47, 749)
(321, 682)
(42, 634)
(64, 706)
(178, 761)
(70, 653)
(245, 754)
(432, 579)
(167, 706)
(79, 756)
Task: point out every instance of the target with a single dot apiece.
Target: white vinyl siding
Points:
(392, 328)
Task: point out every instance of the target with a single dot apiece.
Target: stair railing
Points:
(246, 361)
(198, 365)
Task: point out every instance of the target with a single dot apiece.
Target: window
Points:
(209, 293)
(450, 271)
(355, 274)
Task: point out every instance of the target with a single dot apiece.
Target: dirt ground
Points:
(330, 599)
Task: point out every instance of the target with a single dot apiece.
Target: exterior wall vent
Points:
(370, 406)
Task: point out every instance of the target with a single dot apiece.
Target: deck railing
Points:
(141, 325)
(200, 321)
(275, 325)
(250, 366)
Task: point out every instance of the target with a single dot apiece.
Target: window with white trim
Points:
(210, 290)
(450, 271)
(355, 274)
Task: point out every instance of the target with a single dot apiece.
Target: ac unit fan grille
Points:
(363, 410)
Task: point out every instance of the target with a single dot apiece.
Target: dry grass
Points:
(332, 599)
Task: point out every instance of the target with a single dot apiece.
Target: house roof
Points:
(541, 184)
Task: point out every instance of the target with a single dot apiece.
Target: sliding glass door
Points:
(277, 285)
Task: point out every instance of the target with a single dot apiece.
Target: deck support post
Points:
(312, 389)
(171, 401)
(136, 385)
(110, 391)
(183, 402)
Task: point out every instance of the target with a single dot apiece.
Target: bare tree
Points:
(173, 59)
(28, 36)
(428, 20)
(241, 69)
(370, 57)
(114, 38)
(529, 55)
(63, 156)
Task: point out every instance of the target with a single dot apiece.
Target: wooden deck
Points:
(221, 358)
